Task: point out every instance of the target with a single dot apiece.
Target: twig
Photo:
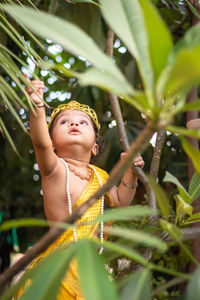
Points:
(170, 283)
(157, 153)
(139, 145)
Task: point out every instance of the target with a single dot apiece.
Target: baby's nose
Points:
(73, 124)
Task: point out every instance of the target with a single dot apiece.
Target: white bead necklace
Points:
(70, 202)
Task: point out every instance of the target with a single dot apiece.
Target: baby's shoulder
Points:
(102, 173)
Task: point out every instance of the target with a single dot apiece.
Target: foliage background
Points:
(20, 193)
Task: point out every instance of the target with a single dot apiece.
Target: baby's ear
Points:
(95, 150)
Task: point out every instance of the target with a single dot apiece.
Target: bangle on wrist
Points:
(134, 186)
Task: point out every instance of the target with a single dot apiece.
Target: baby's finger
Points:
(35, 86)
(139, 163)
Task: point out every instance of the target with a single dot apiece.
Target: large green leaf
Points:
(45, 277)
(184, 73)
(7, 225)
(194, 187)
(126, 18)
(193, 288)
(161, 197)
(100, 78)
(157, 31)
(137, 287)
(138, 237)
(94, 279)
(190, 40)
(193, 153)
(183, 193)
(126, 213)
(66, 34)
(46, 282)
(123, 250)
(94, 76)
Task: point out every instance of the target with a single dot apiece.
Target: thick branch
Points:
(139, 145)
(157, 153)
(122, 131)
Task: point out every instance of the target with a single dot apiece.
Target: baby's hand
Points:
(138, 161)
(39, 86)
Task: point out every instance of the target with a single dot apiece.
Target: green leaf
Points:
(177, 236)
(137, 287)
(137, 237)
(171, 229)
(193, 288)
(123, 250)
(182, 208)
(26, 222)
(50, 271)
(126, 18)
(194, 217)
(183, 193)
(193, 153)
(49, 26)
(125, 213)
(12, 110)
(95, 284)
(94, 76)
(157, 31)
(195, 105)
(190, 40)
(161, 198)
(5, 131)
(57, 261)
(194, 187)
(193, 9)
(83, 1)
(184, 131)
(184, 73)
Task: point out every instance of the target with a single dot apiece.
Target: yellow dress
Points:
(70, 289)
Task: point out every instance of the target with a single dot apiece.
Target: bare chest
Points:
(56, 201)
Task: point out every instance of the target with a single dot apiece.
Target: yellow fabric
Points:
(70, 289)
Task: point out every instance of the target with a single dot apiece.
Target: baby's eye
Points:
(63, 122)
(83, 122)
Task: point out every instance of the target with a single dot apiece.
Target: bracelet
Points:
(129, 185)
(40, 106)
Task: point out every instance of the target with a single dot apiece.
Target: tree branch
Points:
(157, 153)
(122, 131)
(139, 145)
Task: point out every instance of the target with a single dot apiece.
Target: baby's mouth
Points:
(74, 131)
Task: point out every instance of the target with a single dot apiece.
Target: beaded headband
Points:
(76, 106)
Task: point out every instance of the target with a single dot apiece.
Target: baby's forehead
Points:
(74, 112)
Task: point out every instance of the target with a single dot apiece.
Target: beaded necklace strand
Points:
(70, 202)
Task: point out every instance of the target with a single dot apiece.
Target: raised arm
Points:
(40, 137)
(123, 194)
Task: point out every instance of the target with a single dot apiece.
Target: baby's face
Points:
(73, 127)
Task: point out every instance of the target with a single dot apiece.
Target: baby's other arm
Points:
(40, 137)
(123, 194)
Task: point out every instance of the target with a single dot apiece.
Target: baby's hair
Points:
(99, 138)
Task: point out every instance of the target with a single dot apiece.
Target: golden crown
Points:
(76, 106)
